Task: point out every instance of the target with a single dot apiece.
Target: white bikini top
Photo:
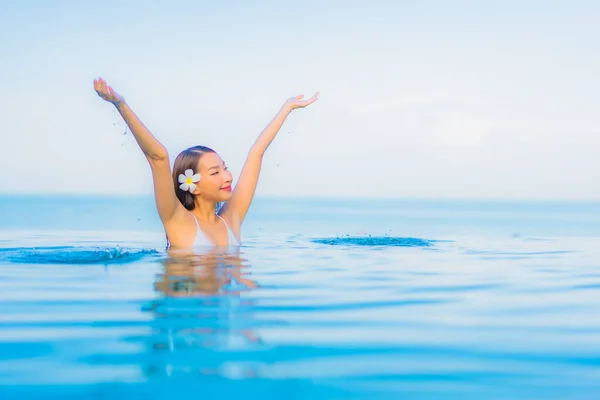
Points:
(202, 241)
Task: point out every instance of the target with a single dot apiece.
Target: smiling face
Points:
(200, 174)
(215, 178)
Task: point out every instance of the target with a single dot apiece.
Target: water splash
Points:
(387, 241)
(73, 255)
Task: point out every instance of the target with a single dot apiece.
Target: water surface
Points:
(325, 300)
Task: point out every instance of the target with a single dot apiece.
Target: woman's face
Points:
(215, 179)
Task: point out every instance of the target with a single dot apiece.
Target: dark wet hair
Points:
(187, 159)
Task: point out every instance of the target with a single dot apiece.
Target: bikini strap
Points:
(227, 226)
(196, 220)
(228, 229)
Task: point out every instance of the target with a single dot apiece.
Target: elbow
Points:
(158, 156)
(256, 151)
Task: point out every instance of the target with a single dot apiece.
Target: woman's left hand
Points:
(297, 102)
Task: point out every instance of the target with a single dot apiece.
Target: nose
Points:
(228, 177)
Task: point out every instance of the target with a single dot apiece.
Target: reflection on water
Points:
(201, 274)
(200, 310)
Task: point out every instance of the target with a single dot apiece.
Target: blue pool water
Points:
(328, 299)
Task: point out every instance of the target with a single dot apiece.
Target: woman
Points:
(187, 197)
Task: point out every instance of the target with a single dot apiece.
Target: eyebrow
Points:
(217, 166)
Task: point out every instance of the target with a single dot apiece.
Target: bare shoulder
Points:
(181, 228)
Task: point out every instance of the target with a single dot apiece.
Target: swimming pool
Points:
(327, 299)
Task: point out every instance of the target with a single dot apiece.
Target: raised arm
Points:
(243, 193)
(156, 154)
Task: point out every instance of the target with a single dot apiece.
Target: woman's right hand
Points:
(107, 93)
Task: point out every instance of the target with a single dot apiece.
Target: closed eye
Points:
(217, 169)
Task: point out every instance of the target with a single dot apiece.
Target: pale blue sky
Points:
(453, 99)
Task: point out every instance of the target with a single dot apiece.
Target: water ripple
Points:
(73, 255)
(385, 241)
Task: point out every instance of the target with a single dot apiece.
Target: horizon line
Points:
(317, 197)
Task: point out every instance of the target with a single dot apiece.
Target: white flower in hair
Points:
(189, 180)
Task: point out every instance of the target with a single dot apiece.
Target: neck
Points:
(205, 210)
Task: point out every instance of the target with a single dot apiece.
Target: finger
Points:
(299, 96)
(314, 97)
(309, 101)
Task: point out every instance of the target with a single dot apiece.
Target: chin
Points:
(224, 197)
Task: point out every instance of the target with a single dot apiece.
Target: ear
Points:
(197, 191)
